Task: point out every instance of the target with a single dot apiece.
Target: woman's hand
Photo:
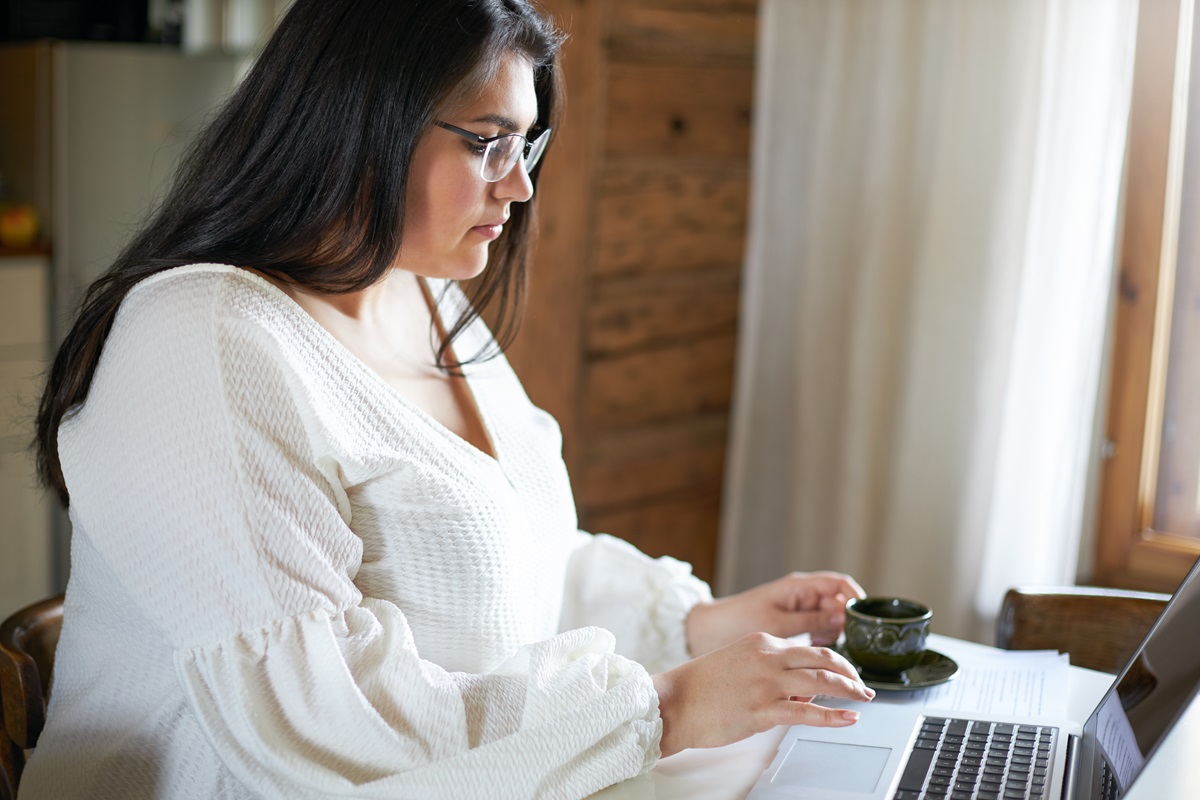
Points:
(802, 602)
(750, 686)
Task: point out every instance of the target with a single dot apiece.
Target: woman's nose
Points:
(516, 186)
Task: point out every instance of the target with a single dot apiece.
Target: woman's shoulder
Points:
(207, 308)
(205, 297)
(196, 283)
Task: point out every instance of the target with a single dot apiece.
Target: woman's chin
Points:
(462, 270)
(474, 268)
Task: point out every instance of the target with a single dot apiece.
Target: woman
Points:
(323, 544)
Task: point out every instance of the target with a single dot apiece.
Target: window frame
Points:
(1130, 552)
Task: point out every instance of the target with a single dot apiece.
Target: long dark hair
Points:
(302, 172)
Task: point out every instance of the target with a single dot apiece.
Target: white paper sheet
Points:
(1031, 683)
(1118, 740)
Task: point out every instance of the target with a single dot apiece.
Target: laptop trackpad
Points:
(826, 765)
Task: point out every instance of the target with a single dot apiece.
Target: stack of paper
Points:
(1026, 683)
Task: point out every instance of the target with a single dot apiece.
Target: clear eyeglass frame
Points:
(501, 153)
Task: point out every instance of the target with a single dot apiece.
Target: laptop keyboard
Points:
(1108, 782)
(959, 759)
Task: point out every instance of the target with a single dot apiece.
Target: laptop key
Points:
(915, 770)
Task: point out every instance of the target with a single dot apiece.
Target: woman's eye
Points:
(477, 149)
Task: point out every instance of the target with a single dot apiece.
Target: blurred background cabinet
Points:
(25, 520)
(89, 134)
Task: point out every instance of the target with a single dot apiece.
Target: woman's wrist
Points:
(713, 624)
(664, 685)
(697, 626)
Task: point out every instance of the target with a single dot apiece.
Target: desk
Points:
(728, 773)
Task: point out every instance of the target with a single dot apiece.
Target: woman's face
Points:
(452, 213)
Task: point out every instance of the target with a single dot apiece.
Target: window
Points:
(1149, 526)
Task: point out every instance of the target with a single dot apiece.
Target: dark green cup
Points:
(886, 635)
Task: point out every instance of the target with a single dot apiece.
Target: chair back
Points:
(28, 640)
(1098, 628)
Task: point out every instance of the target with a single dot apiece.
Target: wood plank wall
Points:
(630, 334)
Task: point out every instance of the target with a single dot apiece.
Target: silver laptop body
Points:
(879, 757)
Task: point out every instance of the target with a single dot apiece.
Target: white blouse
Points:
(287, 581)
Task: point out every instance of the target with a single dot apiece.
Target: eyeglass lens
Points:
(502, 154)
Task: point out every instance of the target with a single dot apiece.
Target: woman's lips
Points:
(489, 231)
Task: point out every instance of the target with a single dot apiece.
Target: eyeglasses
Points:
(501, 153)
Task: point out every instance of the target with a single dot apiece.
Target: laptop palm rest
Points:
(854, 763)
(827, 765)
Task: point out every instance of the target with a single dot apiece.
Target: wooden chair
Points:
(28, 639)
(1098, 628)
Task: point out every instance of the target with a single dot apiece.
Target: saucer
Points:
(932, 669)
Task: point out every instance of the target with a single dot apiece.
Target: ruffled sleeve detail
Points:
(643, 601)
(319, 706)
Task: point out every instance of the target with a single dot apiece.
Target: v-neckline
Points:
(468, 384)
(464, 392)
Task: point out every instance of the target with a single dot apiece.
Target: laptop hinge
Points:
(1070, 774)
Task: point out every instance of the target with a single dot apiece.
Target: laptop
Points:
(902, 752)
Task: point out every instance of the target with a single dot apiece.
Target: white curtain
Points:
(926, 292)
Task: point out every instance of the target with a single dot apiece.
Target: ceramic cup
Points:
(886, 635)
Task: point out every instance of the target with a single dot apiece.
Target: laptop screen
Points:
(1150, 694)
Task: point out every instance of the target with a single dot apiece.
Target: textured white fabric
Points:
(289, 582)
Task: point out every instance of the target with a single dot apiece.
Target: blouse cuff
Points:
(679, 596)
(644, 601)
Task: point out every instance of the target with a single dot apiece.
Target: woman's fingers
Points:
(831, 620)
(826, 584)
(793, 712)
(811, 671)
(840, 583)
(813, 682)
(799, 657)
(749, 686)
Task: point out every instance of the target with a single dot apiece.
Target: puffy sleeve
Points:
(198, 472)
(643, 601)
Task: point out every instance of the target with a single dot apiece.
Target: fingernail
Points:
(870, 692)
(837, 620)
(850, 716)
